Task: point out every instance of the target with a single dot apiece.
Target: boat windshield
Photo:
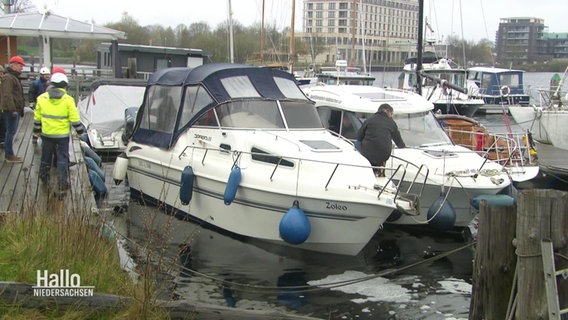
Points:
(421, 129)
(455, 77)
(265, 114)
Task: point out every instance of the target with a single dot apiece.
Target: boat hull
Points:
(338, 227)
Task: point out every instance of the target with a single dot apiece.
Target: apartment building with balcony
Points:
(520, 41)
(378, 33)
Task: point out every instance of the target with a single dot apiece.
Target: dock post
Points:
(542, 214)
(494, 262)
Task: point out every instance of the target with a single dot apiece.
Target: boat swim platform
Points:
(20, 187)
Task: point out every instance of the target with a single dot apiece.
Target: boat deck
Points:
(20, 189)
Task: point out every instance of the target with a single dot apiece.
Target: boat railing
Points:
(387, 185)
(551, 99)
(507, 149)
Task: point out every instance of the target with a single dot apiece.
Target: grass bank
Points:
(41, 240)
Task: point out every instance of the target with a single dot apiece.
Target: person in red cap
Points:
(12, 105)
(58, 70)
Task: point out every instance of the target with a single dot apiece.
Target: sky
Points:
(479, 18)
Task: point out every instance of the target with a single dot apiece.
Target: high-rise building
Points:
(519, 41)
(363, 32)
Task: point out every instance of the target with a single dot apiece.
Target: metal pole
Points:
(419, 46)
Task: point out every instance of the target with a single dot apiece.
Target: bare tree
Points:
(17, 6)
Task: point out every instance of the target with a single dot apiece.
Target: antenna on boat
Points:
(419, 47)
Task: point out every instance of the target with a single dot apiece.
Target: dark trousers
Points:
(2, 133)
(58, 147)
(10, 121)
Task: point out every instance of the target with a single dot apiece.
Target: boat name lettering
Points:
(318, 97)
(335, 206)
(202, 137)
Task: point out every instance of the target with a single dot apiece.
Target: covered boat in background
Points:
(497, 86)
(104, 111)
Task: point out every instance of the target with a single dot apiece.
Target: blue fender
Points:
(91, 154)
(442, 214)
(97, 183)
(294, 226)
(93, 166)
(186, 188)
(232, 185)
(502, 200)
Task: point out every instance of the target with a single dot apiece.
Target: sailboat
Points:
(437, 79)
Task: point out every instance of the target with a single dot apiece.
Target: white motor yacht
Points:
(242, 149)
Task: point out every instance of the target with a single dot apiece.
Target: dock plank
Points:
(20, 187)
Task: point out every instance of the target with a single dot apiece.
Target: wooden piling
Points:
(542, 214)
(494, 262)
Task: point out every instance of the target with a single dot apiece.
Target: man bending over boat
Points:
(376, 135)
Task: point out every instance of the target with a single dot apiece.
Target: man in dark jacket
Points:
(12, 105)
(38, 87)
(376, 136)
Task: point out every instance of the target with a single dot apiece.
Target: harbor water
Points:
(400, 274)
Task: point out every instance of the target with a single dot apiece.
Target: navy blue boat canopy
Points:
(176, 98)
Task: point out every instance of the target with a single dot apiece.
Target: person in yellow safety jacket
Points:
(55, 112)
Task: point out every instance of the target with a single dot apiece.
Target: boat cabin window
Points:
(256, 114)
(162, 104)
(265, 114)
(260, 155)
(420, 129)
(512, 80)
(289, 88)
(196, 98)
(239, 87)
(340, 122)
(300, 115)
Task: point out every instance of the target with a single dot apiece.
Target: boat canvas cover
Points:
(104, 107)
(222, 82)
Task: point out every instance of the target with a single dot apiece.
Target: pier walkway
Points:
(20, 189)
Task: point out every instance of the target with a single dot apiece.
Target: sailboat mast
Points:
(262, 35)
(292, 40)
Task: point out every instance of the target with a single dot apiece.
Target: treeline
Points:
(215, 41)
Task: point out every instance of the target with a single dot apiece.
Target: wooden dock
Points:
(20, 188)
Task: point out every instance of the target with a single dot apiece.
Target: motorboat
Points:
(104, 110)
(446, 176)
(343, 74)
(442, 83)
(242, 149)
(516, 151)
(497, 86)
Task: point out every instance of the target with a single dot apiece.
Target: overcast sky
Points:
(480, 17)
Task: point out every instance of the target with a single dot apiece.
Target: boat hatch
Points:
(439, 154)
(320, 145)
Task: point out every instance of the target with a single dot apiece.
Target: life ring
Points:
(504, 91)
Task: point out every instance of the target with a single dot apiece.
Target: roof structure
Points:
(49, 25)
(54, 26)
